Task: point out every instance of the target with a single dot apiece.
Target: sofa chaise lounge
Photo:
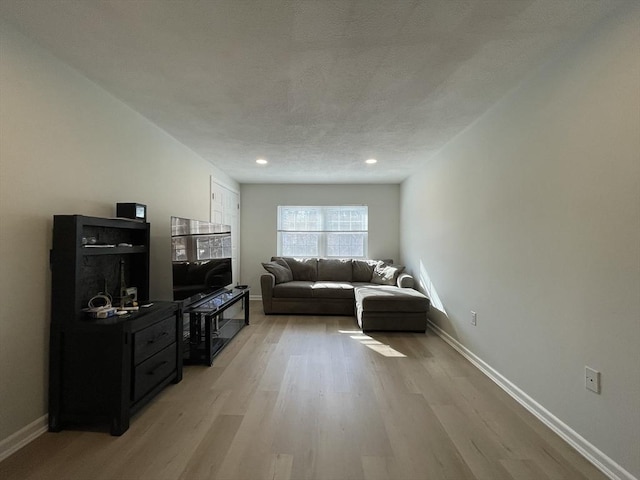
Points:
(377, 292)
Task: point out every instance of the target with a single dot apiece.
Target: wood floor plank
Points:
(478, 449)
(211, 451)
(338, 454)
(280, 467)
(524, 469)
(189, 421)
(380, 468)
(312, 397)
(420, 444)
(251, 449)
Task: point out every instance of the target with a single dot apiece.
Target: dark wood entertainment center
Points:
(106, 369)
(103, 370)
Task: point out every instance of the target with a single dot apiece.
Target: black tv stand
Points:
(213, 324)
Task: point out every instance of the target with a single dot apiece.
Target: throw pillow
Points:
(386, 274)
(281, 272)
(362, 270)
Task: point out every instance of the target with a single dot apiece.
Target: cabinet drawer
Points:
(153, 371)
(153, 339)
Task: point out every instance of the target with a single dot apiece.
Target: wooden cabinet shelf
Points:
(113, 250)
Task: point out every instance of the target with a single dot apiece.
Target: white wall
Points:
(259, 217)
(68, 147)
(531, 218)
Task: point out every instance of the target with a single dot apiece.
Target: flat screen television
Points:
(201, 258)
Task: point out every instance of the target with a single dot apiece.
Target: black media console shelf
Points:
(104, 370)
(213, 323)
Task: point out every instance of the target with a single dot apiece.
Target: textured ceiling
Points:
(315, 87)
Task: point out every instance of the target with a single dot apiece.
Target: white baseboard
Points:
(605, 464)
(15, 442)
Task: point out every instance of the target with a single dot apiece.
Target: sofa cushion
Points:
(304, 269)
(384, 274)
(362, 270)
(293, 289)
(322, 289)
(334, 269)
(281, 272)
(390, 299)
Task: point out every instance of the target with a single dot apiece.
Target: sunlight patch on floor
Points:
(373, 344)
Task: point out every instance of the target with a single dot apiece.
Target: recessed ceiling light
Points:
(371, 161)
(261, 161)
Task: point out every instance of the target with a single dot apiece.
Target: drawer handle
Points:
(153, 340)
(153, 370)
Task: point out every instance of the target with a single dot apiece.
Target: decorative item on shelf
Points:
(99, 306)
(125, 295)
(134, 211)
(132, 292)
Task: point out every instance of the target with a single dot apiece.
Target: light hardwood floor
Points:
(306, 397)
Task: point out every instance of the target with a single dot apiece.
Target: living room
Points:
(529, 216)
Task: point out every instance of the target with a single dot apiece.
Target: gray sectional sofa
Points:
(379, 293)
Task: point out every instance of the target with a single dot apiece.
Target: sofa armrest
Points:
(405, 280)
(267, 282)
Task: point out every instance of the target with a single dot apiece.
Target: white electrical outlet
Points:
(474, 318)
(592, 379)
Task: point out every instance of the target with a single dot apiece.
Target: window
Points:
(336, 231)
